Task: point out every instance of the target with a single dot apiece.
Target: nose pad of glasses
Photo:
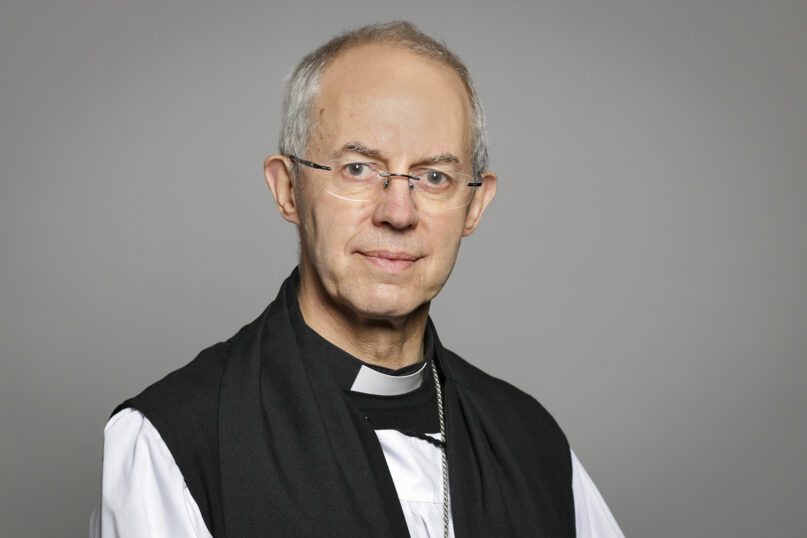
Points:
(386, 184)
(407, 176)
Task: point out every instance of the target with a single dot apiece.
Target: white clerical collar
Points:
(370, 381)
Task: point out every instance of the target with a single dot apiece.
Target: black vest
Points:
(267, 445)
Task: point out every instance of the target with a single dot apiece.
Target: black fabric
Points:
(415, 411)
(183, 407)
(268, 444)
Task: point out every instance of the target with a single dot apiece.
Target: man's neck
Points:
(391, 343)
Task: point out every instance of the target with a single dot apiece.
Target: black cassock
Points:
(269, 445)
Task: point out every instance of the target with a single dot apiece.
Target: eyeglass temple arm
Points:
(309, 163)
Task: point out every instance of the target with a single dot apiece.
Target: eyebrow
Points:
(358, 147)
(442, 159)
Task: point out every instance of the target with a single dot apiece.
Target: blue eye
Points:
(436, 178)
(358, 171)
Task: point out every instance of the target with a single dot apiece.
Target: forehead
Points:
(392, 99)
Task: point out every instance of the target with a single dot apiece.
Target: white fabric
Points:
(591, 515)
(416, 469)
(143, 492)
(369, 381)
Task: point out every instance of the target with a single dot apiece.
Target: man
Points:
(338, 412)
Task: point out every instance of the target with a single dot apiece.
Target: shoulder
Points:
(183, 405)
(510, 413)
(495, 393)
(143, 489)
(183, 409)
(187, 388)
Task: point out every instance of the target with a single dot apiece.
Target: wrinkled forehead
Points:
(390, 98)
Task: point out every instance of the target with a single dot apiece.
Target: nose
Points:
(396, 206)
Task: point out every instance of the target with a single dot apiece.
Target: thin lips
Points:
(390, 255)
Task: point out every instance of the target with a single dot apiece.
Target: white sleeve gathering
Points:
(143, 492)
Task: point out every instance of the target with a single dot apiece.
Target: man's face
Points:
(384, 259)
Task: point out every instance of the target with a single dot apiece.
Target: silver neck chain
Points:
(441, 415)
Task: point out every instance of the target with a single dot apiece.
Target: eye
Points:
(358, 170)
(437, 178)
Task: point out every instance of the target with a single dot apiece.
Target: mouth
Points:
(390, 261)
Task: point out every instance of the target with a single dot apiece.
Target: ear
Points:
(482, 197)
(277, 169)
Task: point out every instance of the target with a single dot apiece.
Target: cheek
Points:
(332, 227)
(445, 260)
(445, 236)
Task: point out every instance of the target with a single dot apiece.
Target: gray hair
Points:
(302, 86)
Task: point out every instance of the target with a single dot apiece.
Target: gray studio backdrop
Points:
(642, 272)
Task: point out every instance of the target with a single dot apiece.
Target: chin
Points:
(383, 301)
